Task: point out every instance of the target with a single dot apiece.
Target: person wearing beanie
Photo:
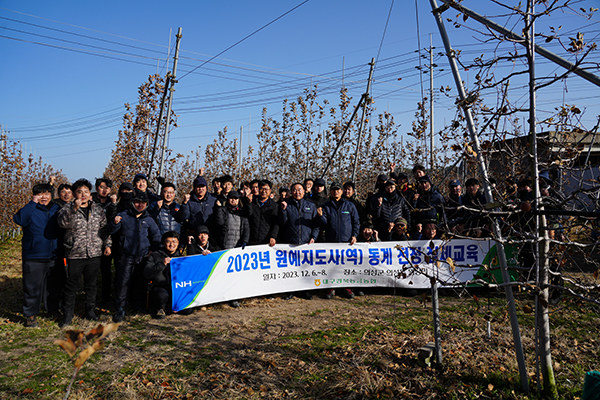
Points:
(367, 233)
(200, 242)
(388, 206)
(400, 231)
(319, 193)
(137, 234)
(235, 230)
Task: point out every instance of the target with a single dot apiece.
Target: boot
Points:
(66, 319)
(119, 315)
(90, 313)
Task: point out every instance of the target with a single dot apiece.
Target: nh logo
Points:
(182, 284)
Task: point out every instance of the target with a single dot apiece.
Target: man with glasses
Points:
(263, 216)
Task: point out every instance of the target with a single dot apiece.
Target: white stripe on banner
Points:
(261, 270)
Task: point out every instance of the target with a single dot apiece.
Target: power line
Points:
(248, 36)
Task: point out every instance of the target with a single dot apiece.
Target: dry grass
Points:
(297, 349)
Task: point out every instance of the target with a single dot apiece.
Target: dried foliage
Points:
(134, 148)
(18, 175)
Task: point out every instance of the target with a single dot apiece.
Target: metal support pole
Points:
(520, 39)
(488, 195)
(158, 123)
(362, 119)
(168, 116)
(435, 304)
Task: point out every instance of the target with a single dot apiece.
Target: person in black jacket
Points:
(350, 194)
(108, 201)
(157, 272)
(138, 235)
(262, 213)
(388, 207)
(428, 205)
(200, 243)
(473, 199)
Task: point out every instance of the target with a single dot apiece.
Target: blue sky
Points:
(67, 106)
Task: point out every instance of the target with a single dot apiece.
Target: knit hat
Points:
(400, 221)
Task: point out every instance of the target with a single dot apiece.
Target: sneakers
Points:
(348, 293)
(307, 296)
(289, 297)
(31, 322)
(160, 314)
(329, 295)
(359, 293)
(234, 304)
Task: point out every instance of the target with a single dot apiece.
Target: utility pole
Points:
(437, 12)
(431, 100)
(172, 91)
(362, 118)
(240, 157)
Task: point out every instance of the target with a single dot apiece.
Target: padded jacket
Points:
(340, 220)
(264, 221)
(299, 222)
(40, 230)
(84, 237)
(136, 236)
(199, 212)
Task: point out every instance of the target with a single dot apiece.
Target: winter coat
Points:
(110, 208)
(472, 219)
(40, 230)
(195, 248)
(429, 205)
(168, 217)
(136, 236)
(318, 198)
(263, 218)
(85, 237)
(299, 222)
(156, 271)
(340, 220)
(199, 211)
(392, 207)
(235, 227)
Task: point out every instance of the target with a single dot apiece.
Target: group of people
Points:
(77, 233)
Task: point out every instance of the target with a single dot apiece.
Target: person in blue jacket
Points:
(138, 236)
(341, 222)
(40, 233)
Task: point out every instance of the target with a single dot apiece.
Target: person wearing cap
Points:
(341, 222)
(198, 207)
(319, 193)
(400, 231)
(235, 230)
(200, 243)
(263, 215)
(140, 183)
(138, 235)
(85, 241)
(388, 207)
(474, 199)
(428, 205)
